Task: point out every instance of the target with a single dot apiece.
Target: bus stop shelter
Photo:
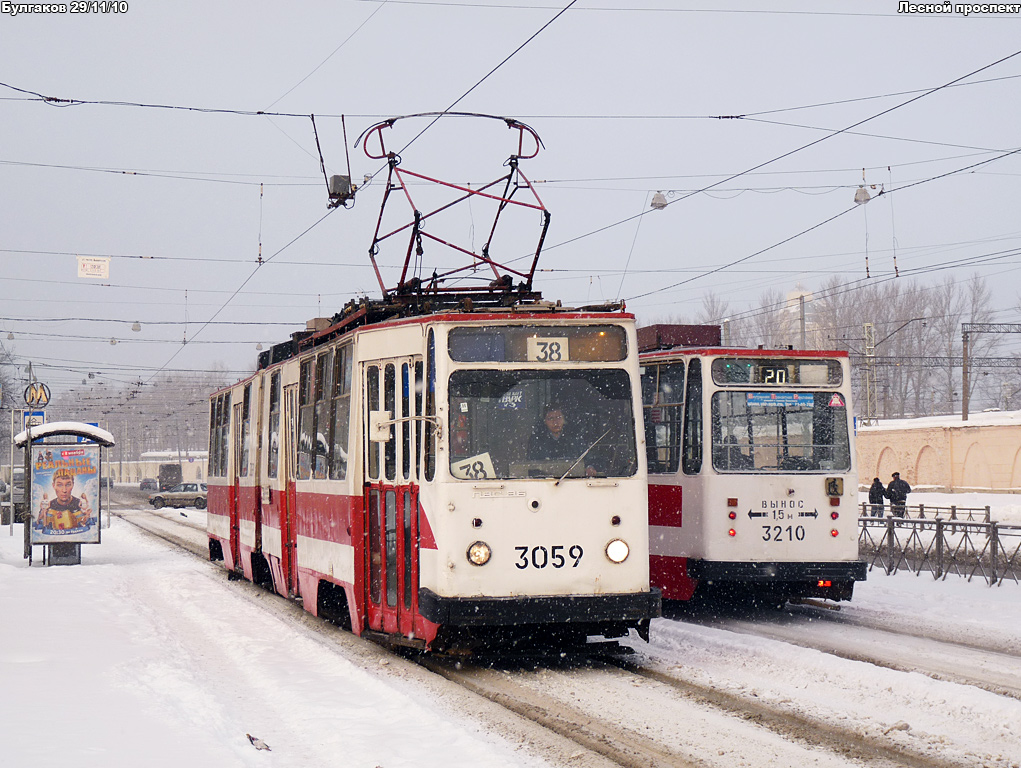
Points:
(63, 492)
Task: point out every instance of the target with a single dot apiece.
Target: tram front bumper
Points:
(557, 609)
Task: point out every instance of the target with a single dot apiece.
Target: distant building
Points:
(193, 466)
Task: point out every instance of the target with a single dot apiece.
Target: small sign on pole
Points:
(37, 395)
(97, 267)
(33, 419)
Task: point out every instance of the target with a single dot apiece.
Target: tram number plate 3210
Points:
(783, 533)
(557, 556)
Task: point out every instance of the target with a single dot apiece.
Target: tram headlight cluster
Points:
(479, 553)
(617, 550)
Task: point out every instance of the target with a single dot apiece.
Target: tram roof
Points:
(470, 307)
(742, 352)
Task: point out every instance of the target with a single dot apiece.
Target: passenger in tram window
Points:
(320, 468)
(556, 439)
(897, 492)
(730, 455)
(460, 438)
(877, 496)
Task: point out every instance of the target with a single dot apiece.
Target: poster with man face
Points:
(65, 494)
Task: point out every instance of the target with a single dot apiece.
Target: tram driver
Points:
(557, 439)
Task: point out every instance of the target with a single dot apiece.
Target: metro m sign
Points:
(37, 395)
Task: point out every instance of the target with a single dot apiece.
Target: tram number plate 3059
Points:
(556, 556)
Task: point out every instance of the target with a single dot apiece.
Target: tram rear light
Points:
(834, 533)
(731, 502)
(834, 515)
(732, 515)
(825, 583)
(617, 551)
(834, 501)
(732, 532)
(479, 553)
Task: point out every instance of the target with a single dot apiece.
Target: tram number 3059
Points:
(780, 533)
(540, 557)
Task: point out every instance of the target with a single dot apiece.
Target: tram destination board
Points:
(776, 371)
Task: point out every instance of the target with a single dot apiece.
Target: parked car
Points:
(106, 482)
(148, 484)
(182, 495)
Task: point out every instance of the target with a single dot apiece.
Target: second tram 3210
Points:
(752, 477)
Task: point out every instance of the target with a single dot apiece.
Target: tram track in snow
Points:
(588, 713)
(740, 729)
(980, 665)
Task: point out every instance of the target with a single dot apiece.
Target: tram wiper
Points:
(576, 461)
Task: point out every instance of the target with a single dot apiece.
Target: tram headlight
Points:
(479, 553)
(617, 550)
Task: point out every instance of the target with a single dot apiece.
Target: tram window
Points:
(375, 549)
(503, 425)
(212, 465)
(246, 426)
(430, 407)
(274, 425)
(390, 500)
(405, 424)
(321, 446)
(662, 398)
(224, 432)
(390, 405)
(538, 344)
(306, 420)
(691, 460)
(340, 427)
(418, 422)
(372, 404)
(406, 527)
(780, 432)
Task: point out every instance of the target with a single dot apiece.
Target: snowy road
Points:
(144, 655)
(981, 664)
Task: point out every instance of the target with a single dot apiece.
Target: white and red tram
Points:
(381, 469)
(752, 476)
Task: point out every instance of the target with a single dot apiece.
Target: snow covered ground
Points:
(143, 656)
(146, 656)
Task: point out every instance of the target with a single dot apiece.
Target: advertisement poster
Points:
(65, 494)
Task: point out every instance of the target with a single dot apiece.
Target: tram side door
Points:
(391, 470)
(288, 461)
(234, 493)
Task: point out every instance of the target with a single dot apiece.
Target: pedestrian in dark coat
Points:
(877, 497)
(897, 492)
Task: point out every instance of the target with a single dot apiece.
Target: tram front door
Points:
(391, 495)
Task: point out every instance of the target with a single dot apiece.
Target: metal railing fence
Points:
(960, 544)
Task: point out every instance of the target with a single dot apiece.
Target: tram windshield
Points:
(780, 432)
(541, 424)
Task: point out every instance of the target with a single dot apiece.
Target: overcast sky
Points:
(627, 101)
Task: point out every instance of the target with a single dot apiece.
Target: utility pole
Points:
(801, 306)
(871, 405)
(966, 330)
(964, 371)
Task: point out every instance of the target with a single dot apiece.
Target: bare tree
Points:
(714, 310)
